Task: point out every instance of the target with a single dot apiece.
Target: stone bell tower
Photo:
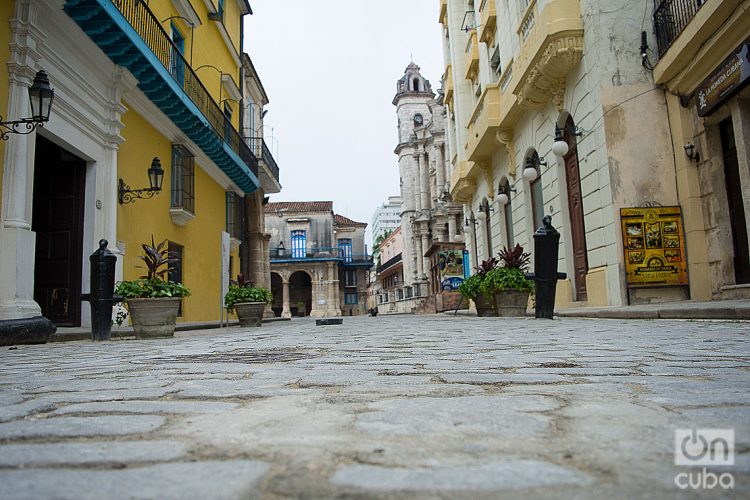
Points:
(413, 97)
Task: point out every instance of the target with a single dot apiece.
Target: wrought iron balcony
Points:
(313, 253)
(261, 151)
(132, 36)
(389, 263)
(671, 17)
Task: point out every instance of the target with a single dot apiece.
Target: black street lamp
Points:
(155, 180)
(41, 96)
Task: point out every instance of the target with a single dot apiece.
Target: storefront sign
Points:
(451, 264)
(654, 246)
(730, 77)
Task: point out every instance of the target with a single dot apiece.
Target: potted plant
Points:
(247, 300)
(508, 284)
(152, 300)
(470, 288)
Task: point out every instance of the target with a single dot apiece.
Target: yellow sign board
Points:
(654, 246)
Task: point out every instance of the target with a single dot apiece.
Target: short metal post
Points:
(101, 296)
(546, 244)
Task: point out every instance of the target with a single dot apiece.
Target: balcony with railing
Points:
(483, 123)
(132, 37)
(487, 21)
(671, 17)
(313, 253)
(263, 153)
(472, 56)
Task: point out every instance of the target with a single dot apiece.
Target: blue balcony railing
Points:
(132, 36)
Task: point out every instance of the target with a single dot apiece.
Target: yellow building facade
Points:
(555, 110)
(133, 81)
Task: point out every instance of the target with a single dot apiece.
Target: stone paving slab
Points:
(394, 407)
(178, 481)
(87, 453)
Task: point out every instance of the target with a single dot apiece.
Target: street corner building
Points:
(629, 128)
(136, 85)
(431, 222)
(319, 261)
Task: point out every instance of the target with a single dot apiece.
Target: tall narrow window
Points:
(220, 9)
(299, 244)
(175, 273)
(508, 209)
(537, 202)
(183, 178)
(177, 61)
(488, 227)
(234, 216)
(345, 249)
(350, 277)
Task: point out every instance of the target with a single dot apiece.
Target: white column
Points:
(418, 184)
(440, 168)
(420, 261)
(425, 260)
(424, 183)
(17, 241)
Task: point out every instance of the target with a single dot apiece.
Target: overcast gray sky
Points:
(330, 69)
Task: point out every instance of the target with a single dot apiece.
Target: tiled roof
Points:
(342, 221)
(300, 206)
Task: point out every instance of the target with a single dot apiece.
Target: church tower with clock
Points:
(427, 212)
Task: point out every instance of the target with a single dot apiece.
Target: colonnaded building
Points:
(318, 260)
(629, 127)
(140, 88)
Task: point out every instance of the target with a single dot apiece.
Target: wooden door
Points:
(734, 198)
(59, 183)
(575, 209)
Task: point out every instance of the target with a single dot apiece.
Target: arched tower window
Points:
(415, 84)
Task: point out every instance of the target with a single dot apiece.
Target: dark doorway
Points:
(59, 184)
(736, 208)
(575, 210)
(277, 292)
(300, 293)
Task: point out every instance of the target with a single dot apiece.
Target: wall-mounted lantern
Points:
(155, 180)
(41, 96)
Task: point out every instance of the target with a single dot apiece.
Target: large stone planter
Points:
(485, 306)
(511, 302)
(250, 313)
(153, 318)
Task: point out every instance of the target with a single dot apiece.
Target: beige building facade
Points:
(523, 76)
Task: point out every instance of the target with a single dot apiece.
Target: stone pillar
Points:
(418, 184)
(285, 311)
(264, 248)
(17, 240)
(332, 307)
(452, 228)
(424, 182)
(425, 260)
(319, 293)
(419, 252)
(440, 168)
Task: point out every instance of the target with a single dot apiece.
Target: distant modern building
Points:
(386, 218)
(428, 213)
(318, 261)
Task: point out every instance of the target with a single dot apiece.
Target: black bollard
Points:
(102, 297)
(546, 244)
(36, 330)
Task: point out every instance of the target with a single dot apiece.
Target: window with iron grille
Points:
(234, 216)
(351, 298)
(299, 244)
(345, 249)
(183, 178)
(175, 274)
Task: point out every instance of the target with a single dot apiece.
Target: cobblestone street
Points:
(386, 407)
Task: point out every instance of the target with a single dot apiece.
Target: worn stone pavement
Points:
(386, 407)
